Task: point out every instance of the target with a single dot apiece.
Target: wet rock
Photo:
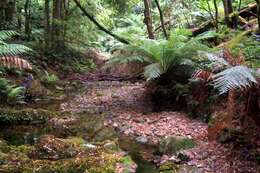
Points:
(49, 147)
(89, 146)
(170, 167)
(173, 144)
(111, 145)
(142, 140)
(189, 169)
(183, 157)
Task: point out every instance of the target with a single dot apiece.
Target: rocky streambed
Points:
(107, 128)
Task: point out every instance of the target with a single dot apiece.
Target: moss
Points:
(75, 141)
(127, 160)
(168, 166)
(3, 146)
(94, 162)
(172, 145)
(25, 149)
(25, 116)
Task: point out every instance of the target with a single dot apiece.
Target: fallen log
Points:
(246, 12)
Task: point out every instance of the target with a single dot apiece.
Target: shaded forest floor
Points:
(129, 113)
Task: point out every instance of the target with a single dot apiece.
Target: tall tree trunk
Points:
(27, 9)
(10, 11)
(47, 24)
(57, 25)
(102, 28)
(216, 13)
(3, 4)
(228, 8)
(148, 18)
(19, 18)
(161, 18)
(258, 14)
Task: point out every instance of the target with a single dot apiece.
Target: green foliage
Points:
(9, 93)
(49, 78)
(162, 56)
(80, 66)
(7, 49)
(230, 77)
(16, 95)
(24, 116)
(237, 77)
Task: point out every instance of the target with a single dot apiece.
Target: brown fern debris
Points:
(15, 62)
(202, 74)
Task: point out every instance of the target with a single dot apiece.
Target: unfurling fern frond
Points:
(15, 62)
(238, 77)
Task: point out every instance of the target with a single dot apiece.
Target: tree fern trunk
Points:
(231, 103)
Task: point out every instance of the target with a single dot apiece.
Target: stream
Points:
(87, 124)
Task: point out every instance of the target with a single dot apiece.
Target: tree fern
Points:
(161, 55)
(237, 77)
(230, 77)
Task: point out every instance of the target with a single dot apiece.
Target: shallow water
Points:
(89, 127)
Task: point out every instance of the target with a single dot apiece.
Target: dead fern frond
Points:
(15, 62)
(202, 74)
(231, 59)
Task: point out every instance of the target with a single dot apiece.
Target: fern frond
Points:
(207, 35)
(15, 62)
(13, 49)
(5, 35)
(216, 59)
(238, 77)
(153, 71)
